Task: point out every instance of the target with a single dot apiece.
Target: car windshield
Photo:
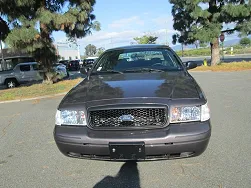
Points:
(137, 60)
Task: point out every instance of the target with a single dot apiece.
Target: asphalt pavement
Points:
(29, 156)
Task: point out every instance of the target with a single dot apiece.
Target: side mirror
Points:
(190, 65)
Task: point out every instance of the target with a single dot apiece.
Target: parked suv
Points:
(136, 103)
(27, 73)
(21, 73)
(73, 65)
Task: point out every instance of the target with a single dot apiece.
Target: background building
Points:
(67, 50)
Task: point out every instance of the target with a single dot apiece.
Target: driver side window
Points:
(25, 68)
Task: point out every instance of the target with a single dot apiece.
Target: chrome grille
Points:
(128, 118)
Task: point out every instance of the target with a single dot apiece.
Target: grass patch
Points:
(234, 66)
(37, 90)
(207, 51)
(195, 52)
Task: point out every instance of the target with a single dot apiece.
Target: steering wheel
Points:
(156, 64)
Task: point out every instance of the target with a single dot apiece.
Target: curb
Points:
(201, 71)
(34, 98)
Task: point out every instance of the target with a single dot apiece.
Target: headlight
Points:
(205, 112)
(70, 117)
(189, 113)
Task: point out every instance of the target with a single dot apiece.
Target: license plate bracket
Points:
(127, 151)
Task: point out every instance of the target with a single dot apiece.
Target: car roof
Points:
(13, 57)
(141, 46)
(91, 58)
(57, 64)
(27, 63)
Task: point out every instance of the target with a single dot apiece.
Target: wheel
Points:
(11, 83)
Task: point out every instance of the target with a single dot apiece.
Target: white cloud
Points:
(114, 39)
(164, 31)
(110, 39)
(165, 21)
(165, 36)
(126, 22)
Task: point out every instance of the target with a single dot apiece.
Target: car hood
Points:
(134, 85)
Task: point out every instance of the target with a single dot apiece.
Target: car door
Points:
(35, 75)
(25, 73)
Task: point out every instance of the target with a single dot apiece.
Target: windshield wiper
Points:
(143, 70)
(107, 72)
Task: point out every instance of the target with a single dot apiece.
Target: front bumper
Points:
(175, 141)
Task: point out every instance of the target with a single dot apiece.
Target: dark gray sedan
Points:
(136, 103)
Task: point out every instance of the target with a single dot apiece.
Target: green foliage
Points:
(146, 39)
(195, 52)
(203, 20)
(237, 49)
(203, 45)
(22, 38)
(32, 23)
(100, 51)
(90, 50)
(245, 41)
(83, 56)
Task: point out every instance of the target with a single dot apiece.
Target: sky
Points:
(121, 21)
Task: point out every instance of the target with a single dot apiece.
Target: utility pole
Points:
(3, 62)
(182, 49)
(111, 42)
(166, 39)
(78, 51)
(182, 42)
(222, 38)
(78, 47)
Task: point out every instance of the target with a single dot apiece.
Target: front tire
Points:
(11, 83)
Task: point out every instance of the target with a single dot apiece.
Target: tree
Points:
(182, 23)
(181, 39)
(3, 34)
(245, 42)
(90, 50)
(34, 21)
(100, 51)
(203, 20)
(203, 44)
(146, 39)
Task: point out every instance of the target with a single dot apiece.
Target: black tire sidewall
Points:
(11, 80)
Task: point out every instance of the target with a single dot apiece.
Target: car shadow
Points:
(128, 176)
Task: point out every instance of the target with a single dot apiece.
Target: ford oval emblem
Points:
(126, 118)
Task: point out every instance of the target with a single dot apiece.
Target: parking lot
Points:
(30, 158)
